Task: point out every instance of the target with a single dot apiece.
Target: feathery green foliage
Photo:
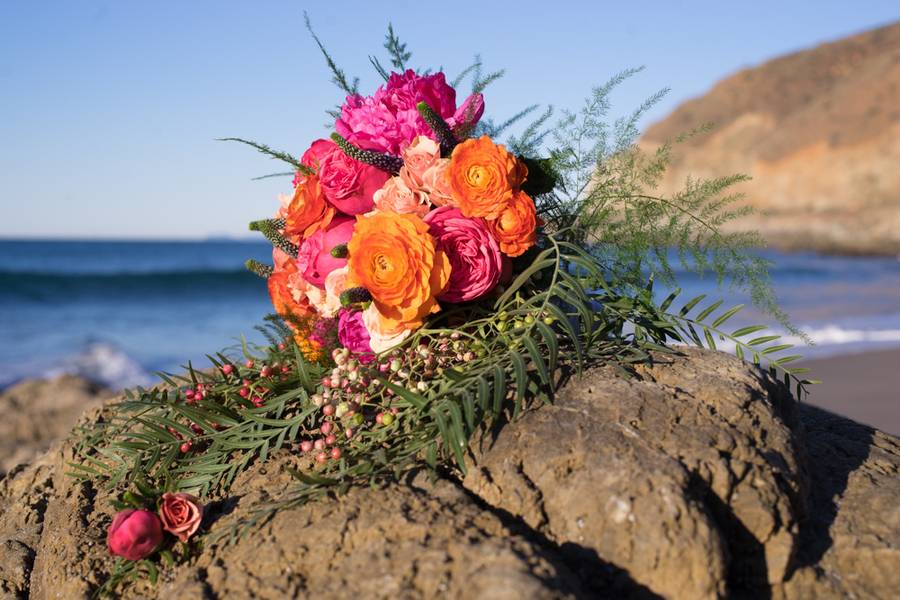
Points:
(338, 77)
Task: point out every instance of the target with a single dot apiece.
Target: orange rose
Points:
(308, 211)
(395, 258)
(483, 177)
(515, 228)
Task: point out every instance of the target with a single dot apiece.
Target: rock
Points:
(850, 545)
(698, 453)
(36, 412)
(698, 478)
(819, 132)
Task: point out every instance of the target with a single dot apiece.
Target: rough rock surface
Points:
(37, 412)
(819, 132)
(700, 478)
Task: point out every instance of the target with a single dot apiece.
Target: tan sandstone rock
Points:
(698, 478)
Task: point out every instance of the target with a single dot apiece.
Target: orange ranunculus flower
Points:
(483, 177)
(515, 228)
(396, 259)
(308, 211)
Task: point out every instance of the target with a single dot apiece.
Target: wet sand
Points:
(864, 387)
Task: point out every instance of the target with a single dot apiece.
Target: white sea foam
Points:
(103, 363)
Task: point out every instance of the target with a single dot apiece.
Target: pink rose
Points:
(134, 534)
(389, 120)
(396, 197)
(353, 334)
(314, 260)
(475, 259)
(347, 183)
(313, 156)
(181, 514)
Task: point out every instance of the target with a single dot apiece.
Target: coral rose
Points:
(475, 260)
(308, 211)
(314, 260)
(515, 228)
(348, 184)
(396, 197)
(382, 335)
(395, 258)
(134, 534)
(483, 177)
(418, 157)
(434, 181)
(180, 514)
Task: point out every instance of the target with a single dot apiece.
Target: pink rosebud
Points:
(180, 514)
(134, 534)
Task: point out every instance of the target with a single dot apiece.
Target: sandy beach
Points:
(864, 387)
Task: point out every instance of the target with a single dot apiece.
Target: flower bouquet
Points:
(429, 282)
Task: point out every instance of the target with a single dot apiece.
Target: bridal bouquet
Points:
(429, 281)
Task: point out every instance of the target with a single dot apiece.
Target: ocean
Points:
(118, 311)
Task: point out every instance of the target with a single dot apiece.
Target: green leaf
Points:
(727, 315)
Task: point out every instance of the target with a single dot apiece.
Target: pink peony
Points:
(396, 197)
(475, 259)
(314, 260)
(353, 334)
(347, 183)
(180, 514)
(389, 120)
(134, 534)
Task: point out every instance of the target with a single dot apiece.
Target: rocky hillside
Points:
(701, 478)
(819, 132)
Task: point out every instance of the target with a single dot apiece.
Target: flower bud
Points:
(134, 534)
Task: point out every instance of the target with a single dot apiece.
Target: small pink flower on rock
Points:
(134, 534)
(180, 514)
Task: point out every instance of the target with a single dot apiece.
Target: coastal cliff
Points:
(819, 132)
(701, 477)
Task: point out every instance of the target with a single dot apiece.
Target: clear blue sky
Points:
(109, 110)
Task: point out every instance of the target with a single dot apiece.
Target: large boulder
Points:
(699, 477)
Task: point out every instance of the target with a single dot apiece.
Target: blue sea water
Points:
(117, 311)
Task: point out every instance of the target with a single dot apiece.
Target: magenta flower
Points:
(353, 334)
(476, 263)
(314, 259)
(389, 120)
